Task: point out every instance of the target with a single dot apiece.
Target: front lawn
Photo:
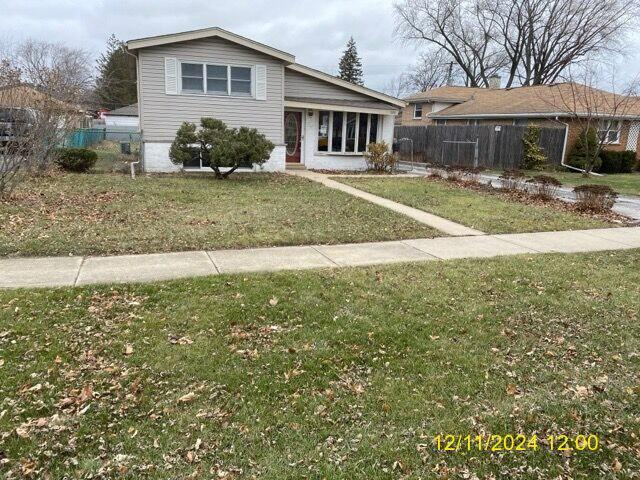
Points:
(327, 374)
(623, 183)
(489, 213)
(109, 214)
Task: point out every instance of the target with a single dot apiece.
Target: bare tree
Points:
(596, 113)
(61, 76)
(40, 86)
(398, 87)
(532, 42)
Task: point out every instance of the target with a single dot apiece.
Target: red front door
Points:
(292, 135)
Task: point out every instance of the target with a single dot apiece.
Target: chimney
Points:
(494, 81)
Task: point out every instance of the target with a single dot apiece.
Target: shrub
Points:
(379, 158)
(513, 179)
(595, 198)
(75, 159)
(533, 157)
(220, 146)
(617, 162)
(544, 186)
(585, 151)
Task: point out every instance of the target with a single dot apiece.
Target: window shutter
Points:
(170, 76)
(261, 82)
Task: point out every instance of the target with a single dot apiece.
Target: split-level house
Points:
(314, 119)
(561, 105)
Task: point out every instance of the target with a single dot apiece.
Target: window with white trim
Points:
(216, 79)
(346, 132)
(417, 111)
(609, 131)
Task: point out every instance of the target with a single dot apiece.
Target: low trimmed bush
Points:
(76, 159)
(617, 162)
(595, 198)
(379, 157)
(544, 186)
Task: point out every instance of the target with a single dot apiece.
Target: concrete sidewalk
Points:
(74, 271)
(439, 223)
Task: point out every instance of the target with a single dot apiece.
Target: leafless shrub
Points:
(455, 173)
(595, 198)
(513, 180)
(472, 174)
(544, 186)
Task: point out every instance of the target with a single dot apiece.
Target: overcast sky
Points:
(315, 31)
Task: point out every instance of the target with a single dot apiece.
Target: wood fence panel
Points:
(497, 148)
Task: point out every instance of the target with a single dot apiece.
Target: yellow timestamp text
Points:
(515, 443)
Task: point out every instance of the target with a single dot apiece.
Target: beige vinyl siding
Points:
(298, 84)
(162, 114)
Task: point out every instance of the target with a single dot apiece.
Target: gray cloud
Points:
(314, 31)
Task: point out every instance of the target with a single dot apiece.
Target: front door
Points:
(292, 135)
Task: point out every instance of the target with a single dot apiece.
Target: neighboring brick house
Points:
(559, 105)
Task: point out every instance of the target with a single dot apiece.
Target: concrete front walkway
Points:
(73, 271)
(439, 223)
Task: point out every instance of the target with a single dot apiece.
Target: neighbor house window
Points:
(417, 111)
(609, 131)
(215, 79)
(346, 132)
(323, 132)
(192, 77)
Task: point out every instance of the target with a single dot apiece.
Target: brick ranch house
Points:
(543, 105)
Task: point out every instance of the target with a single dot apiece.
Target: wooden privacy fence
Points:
(497, 148)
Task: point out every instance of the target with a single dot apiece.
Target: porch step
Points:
(295, 166)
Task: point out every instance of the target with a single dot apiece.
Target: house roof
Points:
(128, 111)
(561, 99)
(450, 94)
(362, 106)
(209, 33)
(288, 58)
(26, 96)
(312, 72)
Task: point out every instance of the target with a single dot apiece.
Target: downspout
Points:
(564, 151)
(141, 151)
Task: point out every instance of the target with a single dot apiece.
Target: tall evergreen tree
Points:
(116, 82)
(350, 64)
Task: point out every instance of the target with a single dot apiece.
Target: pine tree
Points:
(350, 64)
(585, 153)
(533, 157)
(116, 82)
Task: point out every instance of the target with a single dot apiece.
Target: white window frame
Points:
(204, 80)
(415, 111)
(342, 151)
(604, 126)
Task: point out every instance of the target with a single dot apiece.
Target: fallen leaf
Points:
(189, 397)
(616, 466)
(128, 349)
(273, 302)
(512, 389)
(85, 394)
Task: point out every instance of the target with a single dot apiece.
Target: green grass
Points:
(110, 214)
(486, 212)
(623, 183)
(326, 374)
(111, 160)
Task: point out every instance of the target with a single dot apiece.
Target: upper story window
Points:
(346, 132)
(215, 79)
(609, 131)
(417, 111)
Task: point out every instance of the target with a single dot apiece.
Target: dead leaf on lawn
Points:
(273, 302)
(85, 394)
(512, 389)
(189, 397)
(128, 349)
